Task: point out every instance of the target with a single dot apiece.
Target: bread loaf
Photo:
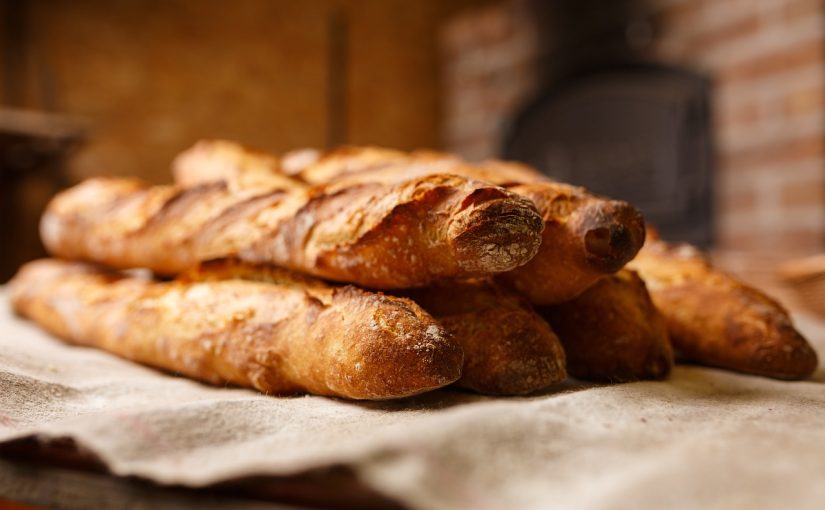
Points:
(211, 161)
(400, 235)
(585, 236)
(287, 336)
(714, 319)
(508, 348)
(612, 332)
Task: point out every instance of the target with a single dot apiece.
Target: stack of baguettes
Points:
(371, 274)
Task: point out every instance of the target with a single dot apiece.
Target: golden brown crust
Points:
(386, 165)
(210, 161)
(716, 320)
(612, 332)
(378, 235)
(508, 348)
(290, 335)
(343, 162)
(586, 237)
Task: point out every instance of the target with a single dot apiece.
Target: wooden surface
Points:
(59, 475)
(152, 78)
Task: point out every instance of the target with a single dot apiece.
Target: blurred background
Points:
(707, 114)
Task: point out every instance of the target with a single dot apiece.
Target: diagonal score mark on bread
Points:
(508, 348)
(585, 236)
(400, 235)
(290, 335)
(716, 320)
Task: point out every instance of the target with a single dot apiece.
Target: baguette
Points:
(713, 319)
(401, 235)
(508, 349)
(291, 335)
(211, 161)
(386, 165)
(612, 332)
(585, 236)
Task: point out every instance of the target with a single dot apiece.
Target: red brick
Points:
(803, 102)
(799, 240)
(802, 8)
(776, 62)
(787, 151)
(493, 24)
(745, 114)
(804, 193)
(677, 14)
(488, 26)
(787, 240)
(744, 27)
(736, 201)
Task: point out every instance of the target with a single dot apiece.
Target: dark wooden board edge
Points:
(59, 474)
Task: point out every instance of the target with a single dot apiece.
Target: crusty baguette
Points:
(353, 162)
(585, 236)
(222, 160)
(714, 319)
(508, 348)
(211, 161)
(287, 336)
(379, 235)
(612, 332)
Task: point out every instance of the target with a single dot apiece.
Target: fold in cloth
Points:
(704, 438)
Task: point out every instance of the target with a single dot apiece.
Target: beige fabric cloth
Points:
(703, 439)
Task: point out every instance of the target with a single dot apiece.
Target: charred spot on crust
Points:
(609, 246)
(613, 233)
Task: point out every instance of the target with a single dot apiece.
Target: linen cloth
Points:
(704, 438)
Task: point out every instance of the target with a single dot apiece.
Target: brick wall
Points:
(489, 69)
(766, 59)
